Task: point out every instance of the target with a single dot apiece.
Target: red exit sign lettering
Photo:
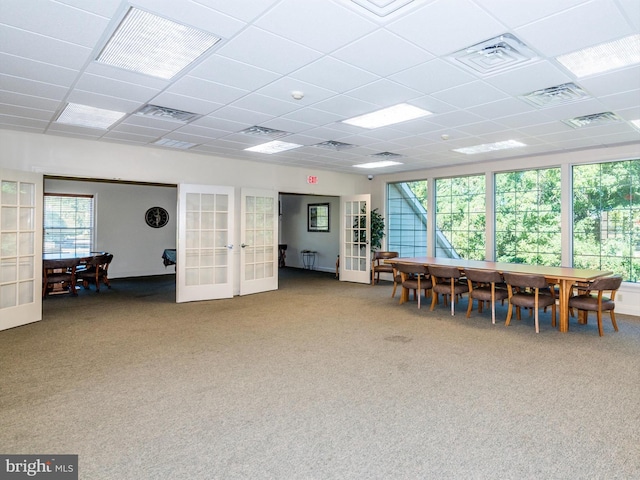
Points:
(312, 179)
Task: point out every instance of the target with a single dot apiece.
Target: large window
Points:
(461, 217)
(68, 225)
(407, 218)
(606, 217)
(527, 217)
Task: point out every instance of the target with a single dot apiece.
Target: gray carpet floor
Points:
(320, 379)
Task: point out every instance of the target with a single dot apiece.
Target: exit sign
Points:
(312, 179)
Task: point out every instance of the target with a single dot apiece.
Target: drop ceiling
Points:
(347, 58)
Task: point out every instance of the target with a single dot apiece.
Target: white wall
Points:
(293, 227)
(120, 226)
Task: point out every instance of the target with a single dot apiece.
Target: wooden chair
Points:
(378, 265)
(414, 278)
(446, 282)
(482, 287)
(529, 291)
(97, 271)
(59, 275)
(587, 302)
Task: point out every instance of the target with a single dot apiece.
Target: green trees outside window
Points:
(68, 225)
(606, 217)
(461, 217)
(527, 217)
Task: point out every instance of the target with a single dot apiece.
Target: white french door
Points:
(205, 242)
(355, 252)
(20, 248)
(259, 241)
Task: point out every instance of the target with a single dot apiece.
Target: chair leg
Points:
(536, 321)
(470, 307)
(395, 286)
(599, 315)
(434, 299)
(613, 320)
(509, 313)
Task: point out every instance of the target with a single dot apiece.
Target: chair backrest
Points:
(62, 263)
(413, 268)
(378, 255)
(483, 276)
(606, 283)
(524, 280)
(442, 271)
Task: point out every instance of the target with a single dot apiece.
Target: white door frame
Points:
(355, 241)
(21, 226)
(204, 269)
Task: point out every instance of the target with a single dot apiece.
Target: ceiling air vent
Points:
(264, 132)
(593, 120)
(386, 155)
(494, 55)
(166, 113)
(558, 95)
(334, 145)
(382, 8)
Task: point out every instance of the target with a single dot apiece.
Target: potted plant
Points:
(377, 229)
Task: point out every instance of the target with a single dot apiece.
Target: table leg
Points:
(565, 293)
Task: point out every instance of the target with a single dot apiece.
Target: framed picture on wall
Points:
(318, 217)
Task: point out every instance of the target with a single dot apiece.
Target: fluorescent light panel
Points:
(388, 116)
(155, 46)
(490, 147)
(91, 117)
(636, 124)
(385, 163)
(604, 57)
(273, 147)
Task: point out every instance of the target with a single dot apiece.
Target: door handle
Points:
(244, 245)
(230, 246)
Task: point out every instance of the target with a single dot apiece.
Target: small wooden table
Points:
(564, 277)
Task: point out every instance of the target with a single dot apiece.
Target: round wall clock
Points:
(156, 217)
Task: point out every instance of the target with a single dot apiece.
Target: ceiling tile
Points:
(433, 76)
(529, 78)
(574, 29)
(392, 53)
(384, 93)
(43, 49)
(318, 24)
(513, 14)
(80, 27)
(446, 26)
(209, 91)
(265, 50)
(230, 72)
(42, 72)
(114, 88)
(182, 102)
(31, 87)
(470, 94)
(267, 105)
(334, 75)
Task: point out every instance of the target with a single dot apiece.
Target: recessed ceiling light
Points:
(558, 95)
(152, 45)
(273, 147)
(490, 147)
(167, 142)
(388, 116)
(604, 57)
(85, 116)
(594, 119)
(635, 123)
(166, 113)
(495, 55)
(384, 163)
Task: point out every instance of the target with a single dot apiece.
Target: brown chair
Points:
(529, 291)
(414, 277)
(587, 302)
(482, 287)
(446, 282)
(378, 265)
(59, 275)
(97, 271)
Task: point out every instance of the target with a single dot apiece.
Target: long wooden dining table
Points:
(564, 277)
